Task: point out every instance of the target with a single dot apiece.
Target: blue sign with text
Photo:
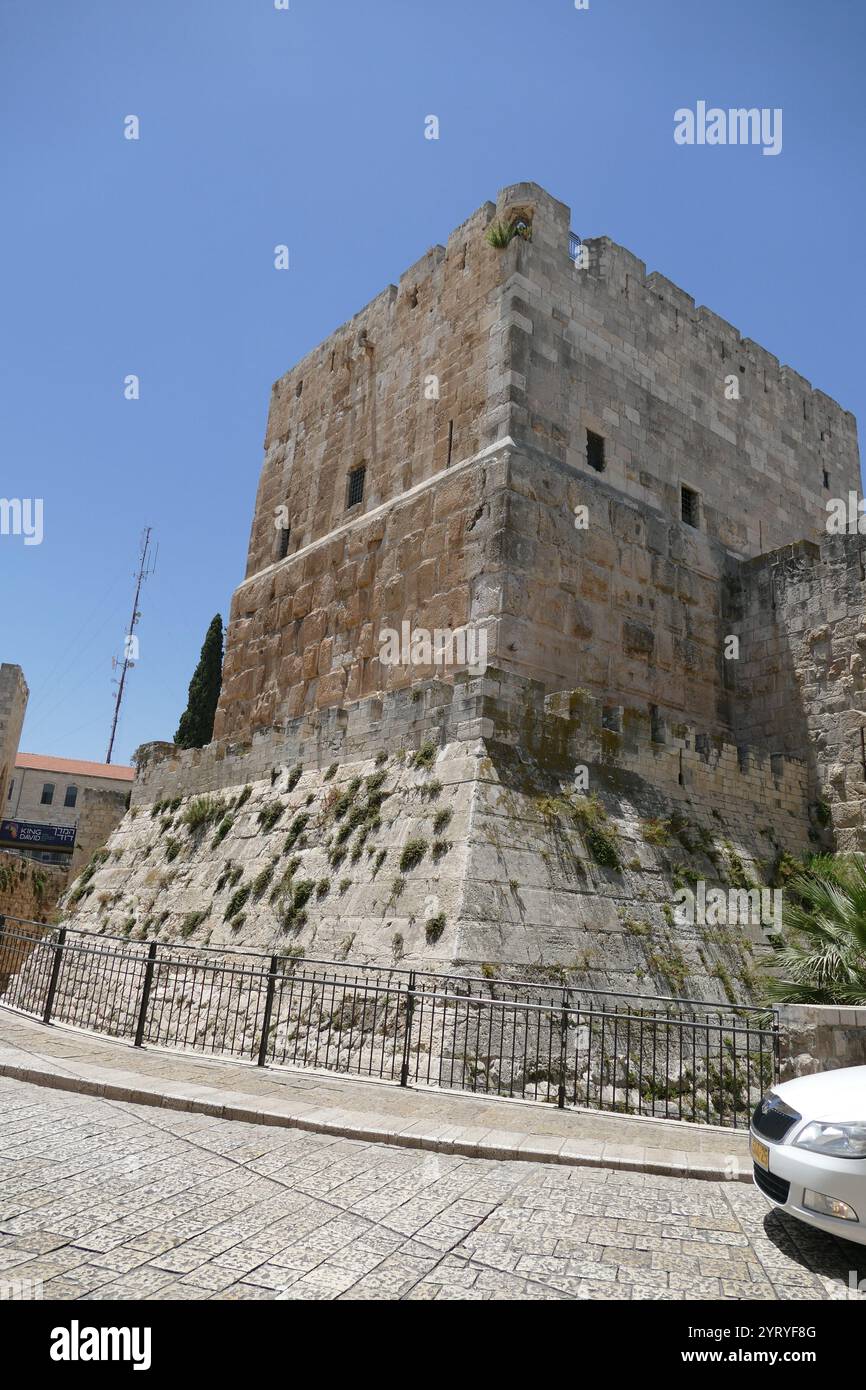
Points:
(21, 832)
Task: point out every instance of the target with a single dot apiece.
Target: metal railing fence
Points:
(536, 1040)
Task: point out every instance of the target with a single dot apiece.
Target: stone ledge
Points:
(466, 1140)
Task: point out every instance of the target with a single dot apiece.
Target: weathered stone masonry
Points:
(470, 394)
(529, 353)
(800, 686)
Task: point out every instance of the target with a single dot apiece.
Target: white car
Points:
(808, 1144)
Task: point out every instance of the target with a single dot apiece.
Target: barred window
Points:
(690, 507)
(355, 487)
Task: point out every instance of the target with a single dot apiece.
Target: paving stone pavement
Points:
(472, 1125)
(102, 1200)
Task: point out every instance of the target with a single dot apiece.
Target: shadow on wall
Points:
(29, 889)
(800, 680)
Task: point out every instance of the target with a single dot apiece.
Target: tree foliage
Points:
(196, 723)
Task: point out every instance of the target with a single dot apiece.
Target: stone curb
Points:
(467, 1141)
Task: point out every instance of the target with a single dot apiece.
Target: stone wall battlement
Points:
(558, 731)
(626, 274)
(686, 764)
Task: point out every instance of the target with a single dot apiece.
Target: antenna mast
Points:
(130, 646)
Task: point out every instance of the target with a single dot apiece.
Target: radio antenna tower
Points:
(146, 567)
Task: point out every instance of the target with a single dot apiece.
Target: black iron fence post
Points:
(55, 974)
(664, 1031)
(145, 994)
(269, 1008)
(407, 1032)
(563, 1047)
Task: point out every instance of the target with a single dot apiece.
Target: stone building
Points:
(54, 812)
(13, 704)
(59, 810)
(530, 442)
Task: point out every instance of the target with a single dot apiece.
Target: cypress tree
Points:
(196, 723)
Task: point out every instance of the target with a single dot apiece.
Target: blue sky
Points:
(306, 127)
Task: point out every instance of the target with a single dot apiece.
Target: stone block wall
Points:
(501, 863)
(627, 604)
(605, 641)
(306, 634)
(630, 357)
(820, 1037)
(28, 889)
(467, 514)
(765, 792)
(502, 707)
(100, 811)
(13, 704)
(365, 396)
(800, 683)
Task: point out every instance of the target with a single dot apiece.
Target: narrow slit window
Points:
(283, 542)
(355, 487)
(826, 478)
(690, 507)
(595, 451)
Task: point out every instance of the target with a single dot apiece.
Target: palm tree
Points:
(824, 919)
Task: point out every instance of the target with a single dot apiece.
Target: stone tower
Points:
(555, 387)
(531, 443)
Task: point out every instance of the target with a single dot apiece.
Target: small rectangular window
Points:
(658, 729)
(355, 487)
(690, 507)
(71, 796)
(611, 719)
(283, 542)
(826, 478)
(47, 793)
(595, 451)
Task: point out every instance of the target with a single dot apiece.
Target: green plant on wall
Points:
(502, 232)
(823, 960)
(598, 834)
